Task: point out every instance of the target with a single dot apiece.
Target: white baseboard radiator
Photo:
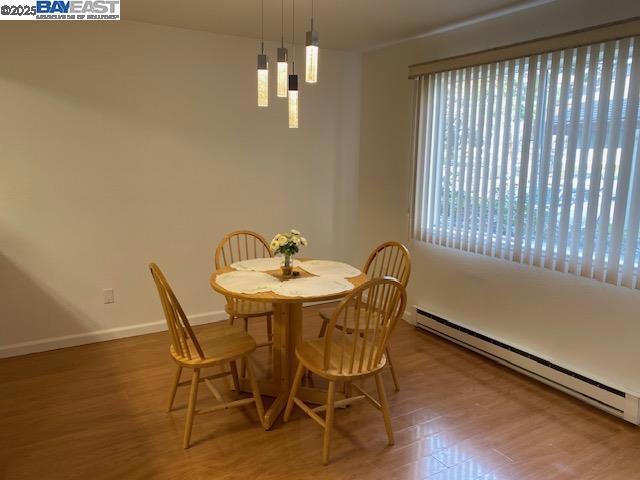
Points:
(613, 400)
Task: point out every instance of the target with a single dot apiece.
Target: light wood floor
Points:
(97, 411)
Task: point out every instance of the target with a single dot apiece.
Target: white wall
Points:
(123, 143)
(579, 323)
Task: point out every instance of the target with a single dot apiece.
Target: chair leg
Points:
(256, 391)
(234, 375)
(328, 422)
(231, 319)
(193, 396)
(294, 389)
(323, 328)
(310, 379)
(393, 371)
(347, 389)
(174, 388)
(269, 328)
(382, 397)
(243, 362)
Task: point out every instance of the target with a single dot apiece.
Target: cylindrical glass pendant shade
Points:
(311, 63)
(283, 72)
(263, 88)
(293, 109)
(263, 81)
(293, 101)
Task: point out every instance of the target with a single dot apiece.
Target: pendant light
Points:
(311, 74)
(263, 67)
(293, 101)
(293, 78)
(283, 62)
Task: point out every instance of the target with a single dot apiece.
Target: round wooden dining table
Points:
(287, 333)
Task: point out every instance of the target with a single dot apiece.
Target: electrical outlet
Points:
(108, 295)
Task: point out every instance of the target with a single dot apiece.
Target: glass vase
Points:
(287, 266)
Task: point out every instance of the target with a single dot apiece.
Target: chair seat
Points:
(350, 320)
(247, 308)
(220, 343)
(311, 354)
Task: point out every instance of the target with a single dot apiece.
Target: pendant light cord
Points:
(282, 24)
(293, 37)
(312, 15)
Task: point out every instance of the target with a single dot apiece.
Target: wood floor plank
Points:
(83, 412)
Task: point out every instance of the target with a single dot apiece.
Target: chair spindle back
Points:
(359, 349)
(389, 259)
(240, 245)
(177, 322)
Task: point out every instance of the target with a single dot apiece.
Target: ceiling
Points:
(342, 24)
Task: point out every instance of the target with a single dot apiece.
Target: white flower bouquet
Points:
(287, 244)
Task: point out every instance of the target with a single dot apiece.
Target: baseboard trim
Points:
(410, 317)
(54, 343)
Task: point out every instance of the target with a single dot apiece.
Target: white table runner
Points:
(261, 264)
(329, 268)
(313, 287)
(247, 282)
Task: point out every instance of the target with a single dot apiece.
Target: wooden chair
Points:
(346, 354)
(234, 247)
(387, 259)
(219, 345)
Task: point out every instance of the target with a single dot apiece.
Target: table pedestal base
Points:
(287, 333)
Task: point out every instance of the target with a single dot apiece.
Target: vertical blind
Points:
(534, 160)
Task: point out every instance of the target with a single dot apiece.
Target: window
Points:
(535, 160)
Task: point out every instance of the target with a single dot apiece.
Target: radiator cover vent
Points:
(522, 353)
(625, 404)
